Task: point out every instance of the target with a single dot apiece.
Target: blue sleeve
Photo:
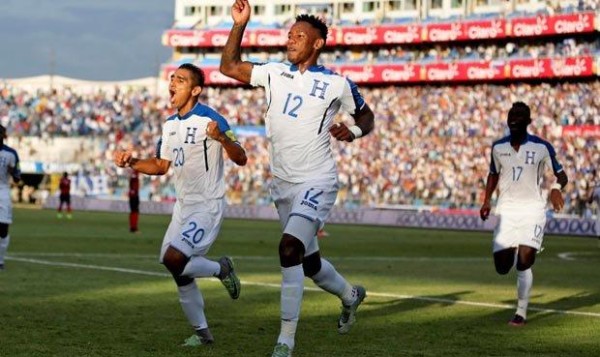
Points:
(556, 166)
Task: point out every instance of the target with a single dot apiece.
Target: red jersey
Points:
(134, 184)
(65, 185)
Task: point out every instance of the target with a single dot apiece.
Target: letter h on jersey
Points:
(316, 87)
(190, 135)
(530, 157)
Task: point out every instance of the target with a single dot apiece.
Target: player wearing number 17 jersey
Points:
(303, 99)
(192, 143)
(517, 166)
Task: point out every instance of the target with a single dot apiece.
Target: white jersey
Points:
(197, 160)
(521, 172)
(8, 159)
(301, 108)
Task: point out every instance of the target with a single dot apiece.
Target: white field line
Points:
(370, 293)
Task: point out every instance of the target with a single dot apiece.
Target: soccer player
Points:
(517, 167)
(65, 195)
(9, 167)
(303, 98)
(134, 201)
(192, 143)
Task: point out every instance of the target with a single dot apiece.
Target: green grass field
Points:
(87, 287)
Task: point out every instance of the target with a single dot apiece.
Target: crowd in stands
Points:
(567, 47)
(431, 145)
(325, 12)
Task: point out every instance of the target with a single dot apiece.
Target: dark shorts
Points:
(134, 203)
(65, 198)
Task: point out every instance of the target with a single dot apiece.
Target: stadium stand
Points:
(453, 92)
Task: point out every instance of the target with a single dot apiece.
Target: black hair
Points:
(197, 73)
(520, 109)
(316, 23)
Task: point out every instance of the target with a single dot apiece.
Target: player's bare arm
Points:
(15, 174)
(231, 61)
(152, 166)
(490, 187)
(364, 120)
(556, 197)
(234, 151)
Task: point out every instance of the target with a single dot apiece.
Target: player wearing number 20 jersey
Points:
(197, 160)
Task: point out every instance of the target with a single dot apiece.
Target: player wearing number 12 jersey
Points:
(303, 99)
(192, 143)
(517, 166)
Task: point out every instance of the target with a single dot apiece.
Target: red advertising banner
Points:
(550, 67)
(399, 34)
(551, 25)
(443, 71)
(460, 31)
(581, 131)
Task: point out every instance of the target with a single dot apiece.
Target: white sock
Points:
(524, 283)
(200, 267)
(3, 247)
(331, 281)
(192, 304)
(292, 288)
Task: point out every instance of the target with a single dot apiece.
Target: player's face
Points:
(301, 44)
(181, 88)
(517, 124)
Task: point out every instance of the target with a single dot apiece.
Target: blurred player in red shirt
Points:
(65, 195)
(134, 201)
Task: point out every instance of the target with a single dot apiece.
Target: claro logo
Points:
(191, 39)
(581, 24)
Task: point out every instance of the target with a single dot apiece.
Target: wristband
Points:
(356, 131)
(556, 186)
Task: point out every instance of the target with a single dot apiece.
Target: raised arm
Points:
(152, 166)
(231, 61)
(490, 187)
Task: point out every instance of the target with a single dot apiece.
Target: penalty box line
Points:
(370, 293)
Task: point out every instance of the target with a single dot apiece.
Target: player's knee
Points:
(175, 261)
(311, 264)
(525, 264)
(502, 268)
(182, 280)
(291, 251)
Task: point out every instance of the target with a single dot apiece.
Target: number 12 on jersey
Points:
(296, 102)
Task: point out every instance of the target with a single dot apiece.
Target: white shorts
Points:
(519, 228)
(5, 207)
(194, 227)
(312, 201)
